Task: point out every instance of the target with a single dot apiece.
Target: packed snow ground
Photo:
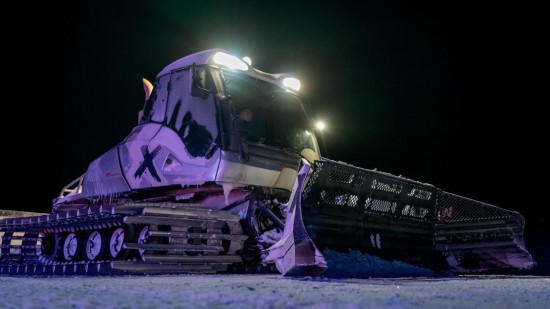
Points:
(272, 291)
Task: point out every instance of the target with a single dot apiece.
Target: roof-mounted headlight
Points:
(291, 83)
(230, 61)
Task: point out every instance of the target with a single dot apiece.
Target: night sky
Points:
(421, 90)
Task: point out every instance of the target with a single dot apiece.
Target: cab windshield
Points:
(268, 114)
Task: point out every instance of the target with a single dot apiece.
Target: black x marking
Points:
(147, 163)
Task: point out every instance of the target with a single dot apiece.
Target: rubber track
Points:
(190, 242)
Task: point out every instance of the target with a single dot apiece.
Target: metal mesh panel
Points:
(337, 185)
(380, 206)
(312, 178)
(455, 208)
(335, 198)
(346, 177)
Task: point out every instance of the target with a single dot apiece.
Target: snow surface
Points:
(272, 291)
(355, 264)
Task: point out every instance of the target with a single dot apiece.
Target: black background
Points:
(444, 93)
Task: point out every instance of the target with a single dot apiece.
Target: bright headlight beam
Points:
(230, 61)
(320, 125)
(247, 60)
(292, 83)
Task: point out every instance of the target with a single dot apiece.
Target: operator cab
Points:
(201, 98)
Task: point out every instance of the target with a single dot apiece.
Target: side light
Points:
(291, 83)
(247, 60)
(230, 61)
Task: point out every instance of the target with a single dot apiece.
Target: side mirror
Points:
(198, 82)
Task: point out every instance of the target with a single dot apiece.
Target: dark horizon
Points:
(419, 90)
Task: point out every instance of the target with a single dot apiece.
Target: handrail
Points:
(73, 186)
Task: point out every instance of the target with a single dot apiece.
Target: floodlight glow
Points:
(320, 125)
(247, 60)
(292, 83)
(230, 61)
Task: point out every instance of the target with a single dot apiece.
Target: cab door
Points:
(178, 142)
(189, 142)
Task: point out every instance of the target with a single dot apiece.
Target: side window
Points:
(155, 107)
(192, 118)
(200, 83)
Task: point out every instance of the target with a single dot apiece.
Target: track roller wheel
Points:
(116, 240)
(51, 244)
(72, 245)
(142, 236)
(94, 246)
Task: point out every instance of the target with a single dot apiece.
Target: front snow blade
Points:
(295, 254)
(349, 208)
